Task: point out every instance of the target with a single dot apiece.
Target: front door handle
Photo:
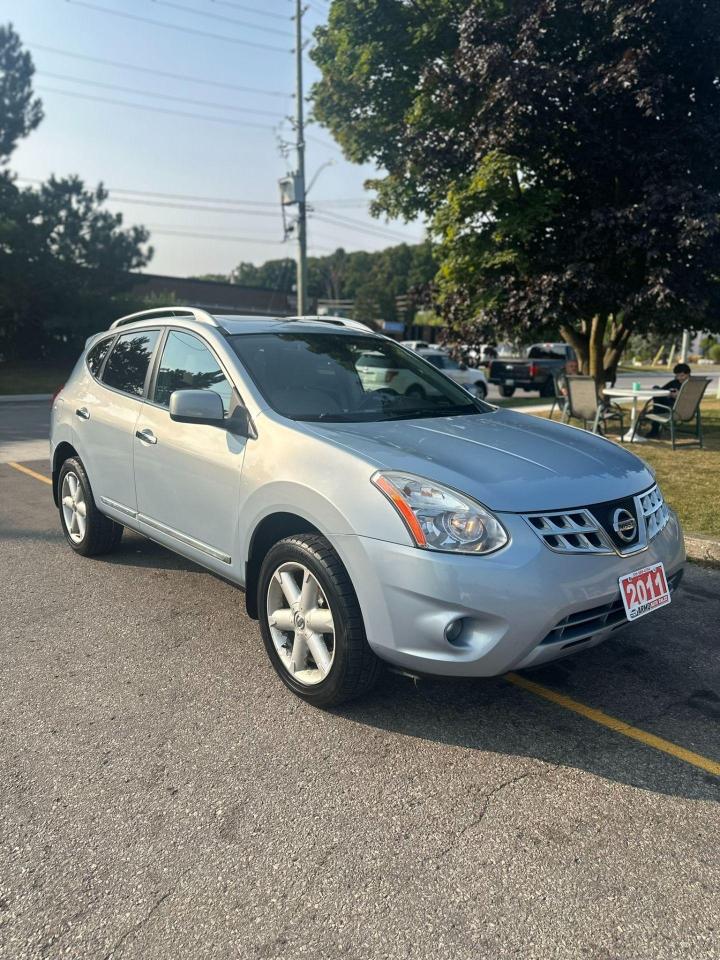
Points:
(147, 436)
(83, 413)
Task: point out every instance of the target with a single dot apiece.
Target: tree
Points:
(62, 256)
(371, 280)
(568, 152)
(21, 112)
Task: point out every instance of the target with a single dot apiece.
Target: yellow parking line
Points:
(30, 473)
(619, 726)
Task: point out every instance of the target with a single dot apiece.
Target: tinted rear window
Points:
(127, 365)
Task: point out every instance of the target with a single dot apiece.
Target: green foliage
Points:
(714, 353)
(63, 257)
(567, 152)
(372, 280)
(21, 112)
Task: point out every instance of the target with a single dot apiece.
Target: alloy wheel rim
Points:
(301, 623)
(74, 507)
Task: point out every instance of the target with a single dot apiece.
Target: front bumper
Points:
(510, 601)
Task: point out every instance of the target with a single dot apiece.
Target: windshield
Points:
(347, 378)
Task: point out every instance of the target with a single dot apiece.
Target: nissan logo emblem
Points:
(624, 524)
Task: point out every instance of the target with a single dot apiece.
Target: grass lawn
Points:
(690, 478)
(33, 377)
(533, 401)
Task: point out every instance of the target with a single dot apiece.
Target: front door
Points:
(187, 475)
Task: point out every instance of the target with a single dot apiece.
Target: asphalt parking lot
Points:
(163, 796)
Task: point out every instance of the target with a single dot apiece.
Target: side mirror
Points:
(197, 406)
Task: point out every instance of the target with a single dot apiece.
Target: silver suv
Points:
(425, 529)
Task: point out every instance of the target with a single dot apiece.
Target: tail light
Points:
(533, 370)
(54, 396)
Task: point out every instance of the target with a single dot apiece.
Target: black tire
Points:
(506, 391)
(101, 533)
(355, 668)
(480, 390)
(547, 389)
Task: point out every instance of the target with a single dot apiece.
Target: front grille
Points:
(654, 511)
(590, 529)
(585, 624)
(575, 531)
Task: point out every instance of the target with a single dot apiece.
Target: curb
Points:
(702, 549)
(25, 397)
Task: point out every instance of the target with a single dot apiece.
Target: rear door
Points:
(187, 475)
(106, 410)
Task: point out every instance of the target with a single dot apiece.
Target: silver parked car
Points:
(429, 530)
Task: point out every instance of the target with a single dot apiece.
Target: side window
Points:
(127, 365)
(96, 356)
(187, 364)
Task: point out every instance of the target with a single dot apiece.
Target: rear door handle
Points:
(147, 436)
(83, 413)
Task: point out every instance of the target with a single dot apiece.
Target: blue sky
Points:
(230, 160)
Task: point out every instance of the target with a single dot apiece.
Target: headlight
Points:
(439, 518)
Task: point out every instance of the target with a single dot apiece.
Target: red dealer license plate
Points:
(644, 591)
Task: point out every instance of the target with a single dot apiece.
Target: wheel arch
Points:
(63, 451)
(272, 528)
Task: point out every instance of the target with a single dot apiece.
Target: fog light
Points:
(453, 631)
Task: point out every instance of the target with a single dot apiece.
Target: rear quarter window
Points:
(97, 354)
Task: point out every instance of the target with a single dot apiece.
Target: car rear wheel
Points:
(507, 391)
(311, 622)
(548, 389)
(480, 390)
(87, 531)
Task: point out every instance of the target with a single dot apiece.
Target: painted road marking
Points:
(29, 472)
(619, 726)
(590, 713)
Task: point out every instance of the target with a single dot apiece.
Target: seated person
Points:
(571, 369)
(663, 404)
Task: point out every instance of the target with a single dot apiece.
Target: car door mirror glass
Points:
(197, 406)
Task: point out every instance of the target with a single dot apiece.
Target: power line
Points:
(159, 73)
(380, 232)
(142, 106)
(159, 195)
(192, 235)
(159, 96)
(219, 16)
(240, 6)
(174, 26)
(186, 206)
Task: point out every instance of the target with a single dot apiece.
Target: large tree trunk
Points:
(596, 358)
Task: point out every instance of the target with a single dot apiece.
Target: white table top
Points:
(627, 393)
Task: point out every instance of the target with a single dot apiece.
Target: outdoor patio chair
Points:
(685, 409)
(558, 399)
(583, 404)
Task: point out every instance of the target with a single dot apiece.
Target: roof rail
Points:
(161, 312)
(336, 321)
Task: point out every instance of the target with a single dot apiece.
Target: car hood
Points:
(509, 461)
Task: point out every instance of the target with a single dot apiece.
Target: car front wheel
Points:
(86, 530)
(311, 622)
(480, 390)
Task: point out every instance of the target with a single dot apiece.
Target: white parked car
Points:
(469, 377)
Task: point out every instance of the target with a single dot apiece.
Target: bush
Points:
(714, 353)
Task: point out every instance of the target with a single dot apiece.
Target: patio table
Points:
(627, 393)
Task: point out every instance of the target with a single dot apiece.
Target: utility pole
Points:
(300, 180)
